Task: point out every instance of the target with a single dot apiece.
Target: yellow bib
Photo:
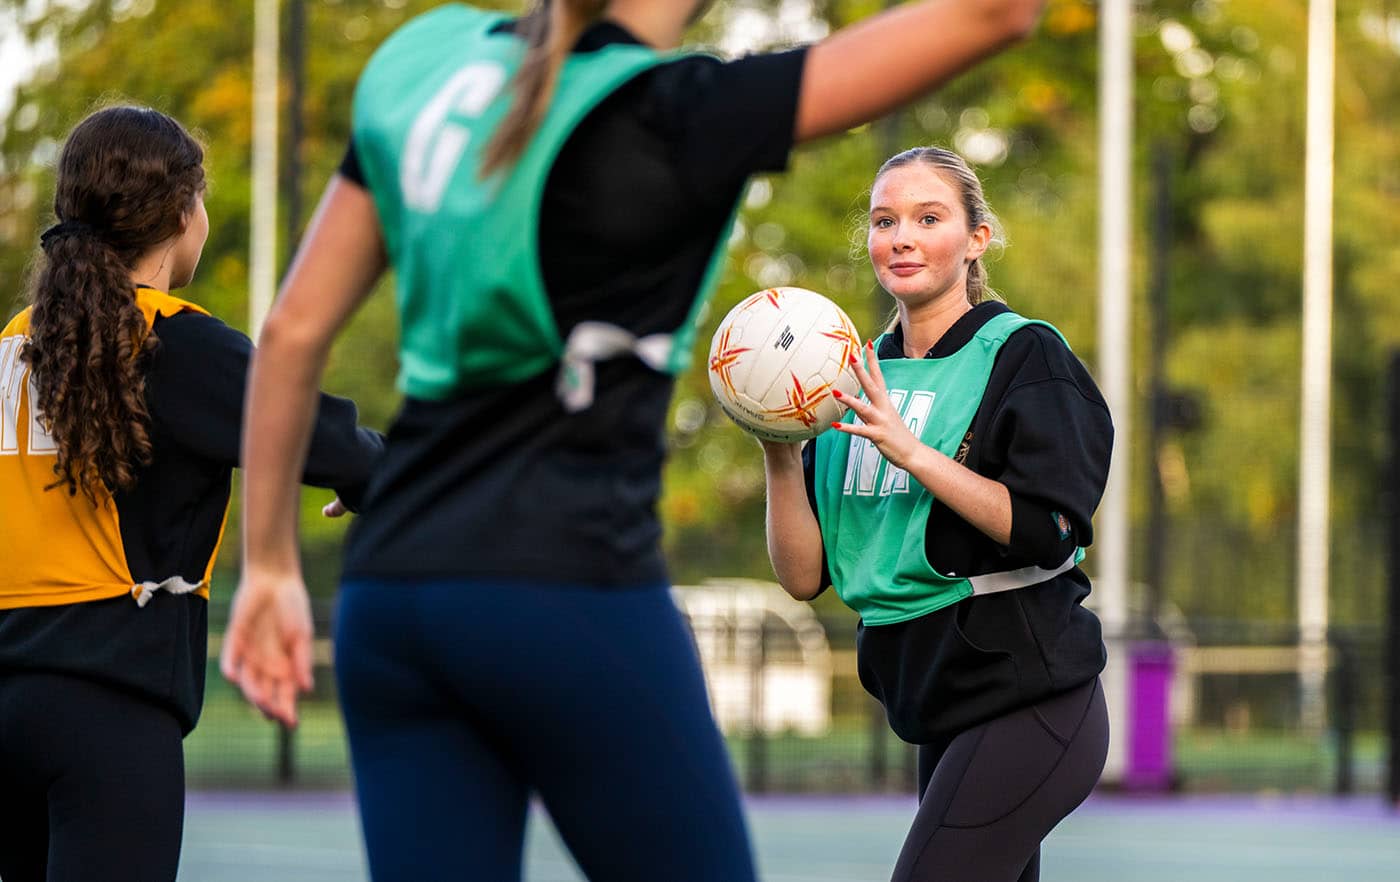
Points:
(56, 547)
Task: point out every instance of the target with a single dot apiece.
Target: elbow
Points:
(1017, 19)
(804, 590)
(800, 575)
(284, 338)
(797, 593)
(277, 332)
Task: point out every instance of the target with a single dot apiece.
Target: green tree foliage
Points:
(1219, 87)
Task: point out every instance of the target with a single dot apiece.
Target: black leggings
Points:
(92, 783)
(990, 795)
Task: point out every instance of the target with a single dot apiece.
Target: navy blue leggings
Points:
(464, 699)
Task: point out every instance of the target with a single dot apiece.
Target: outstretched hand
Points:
(267, 646)
(879, 418)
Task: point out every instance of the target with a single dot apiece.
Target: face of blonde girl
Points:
(919, 241)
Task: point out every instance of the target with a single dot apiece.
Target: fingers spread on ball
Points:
(872, 387)
(872, 363)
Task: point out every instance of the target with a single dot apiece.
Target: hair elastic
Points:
(65, 229)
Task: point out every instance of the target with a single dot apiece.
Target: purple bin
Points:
(1149, 760)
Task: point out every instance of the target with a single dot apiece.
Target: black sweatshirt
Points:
(1044, 431)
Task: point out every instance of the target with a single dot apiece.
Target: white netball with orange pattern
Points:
(775, 360)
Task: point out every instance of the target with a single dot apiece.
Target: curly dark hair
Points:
(127, 178)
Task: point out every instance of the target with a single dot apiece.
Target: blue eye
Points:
(929, 219)
(883, 222)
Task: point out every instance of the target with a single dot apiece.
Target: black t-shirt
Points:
(1043, 430)
(502, 482)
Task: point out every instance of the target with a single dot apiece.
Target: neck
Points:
(925, 324)
(152, 270)
(655, 24)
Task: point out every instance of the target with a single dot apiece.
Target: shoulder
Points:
(714, 122)
(194, 327)
(438, 24)
(705, 72)
(1035, 356)
(19, 324)
(1040, 348)
(689, 87)
(426, 41)
(193, 339)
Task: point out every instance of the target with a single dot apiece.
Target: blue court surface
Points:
(312, 837)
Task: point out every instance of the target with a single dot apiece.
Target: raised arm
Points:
(267, 648)
(864, 71)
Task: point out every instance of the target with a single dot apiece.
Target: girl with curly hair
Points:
(121, 408)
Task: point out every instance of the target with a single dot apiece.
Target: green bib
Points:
(472, 305)
(874, 516)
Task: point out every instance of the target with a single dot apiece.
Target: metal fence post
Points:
(1392, 535)
(1344, 712)
(758, 745)
(286, 755)
(879, 752)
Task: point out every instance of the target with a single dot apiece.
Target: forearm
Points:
(278, 420)
(870, 68)
(982, 502)
(794, 538)
(341, 257)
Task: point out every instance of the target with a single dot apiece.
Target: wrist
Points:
(270, 568)
(910, 453)
(781, 454)
(926, 464)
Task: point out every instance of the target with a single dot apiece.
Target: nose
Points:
(899, 242)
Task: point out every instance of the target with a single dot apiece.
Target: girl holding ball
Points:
(950, 508)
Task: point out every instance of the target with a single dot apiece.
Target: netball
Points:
(777, 357)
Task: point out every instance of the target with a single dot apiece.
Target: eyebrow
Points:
(933, 204)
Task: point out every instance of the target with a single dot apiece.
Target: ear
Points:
(978, 241)
(188, 214)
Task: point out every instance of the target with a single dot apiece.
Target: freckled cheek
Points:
(941, 251)
(879, 253)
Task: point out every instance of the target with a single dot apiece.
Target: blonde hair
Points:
(958, 173)
(550, 31)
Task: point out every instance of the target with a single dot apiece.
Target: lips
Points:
(905, 269)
